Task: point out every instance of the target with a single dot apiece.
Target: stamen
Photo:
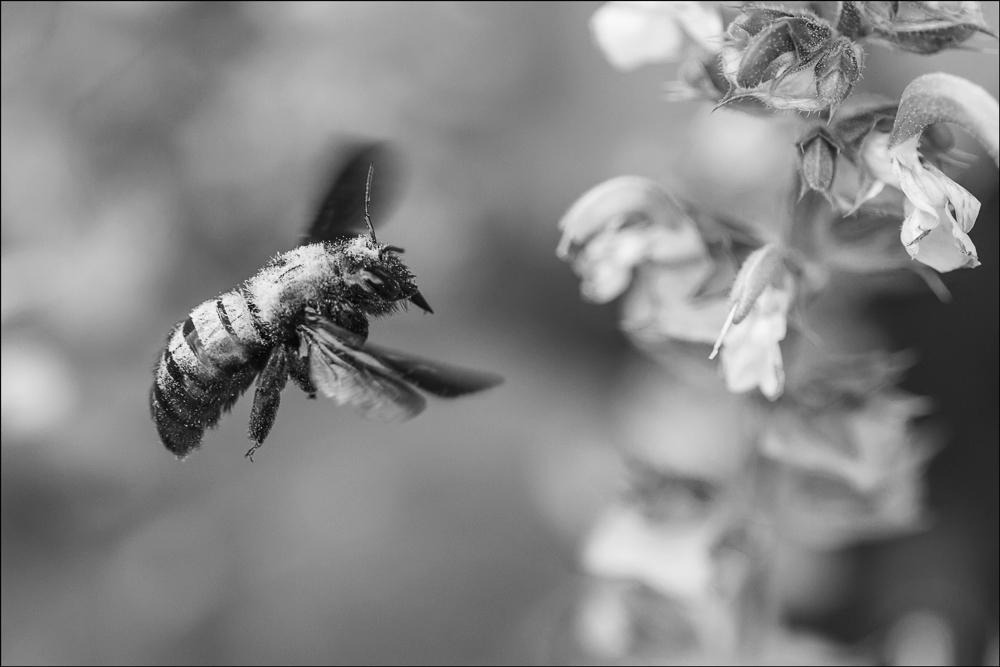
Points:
(368, 200)
(725, 329)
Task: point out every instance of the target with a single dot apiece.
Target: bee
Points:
(304, 316)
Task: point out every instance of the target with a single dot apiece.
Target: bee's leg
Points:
(266, 399)
(298, 369)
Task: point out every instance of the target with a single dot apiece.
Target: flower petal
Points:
(620, 224)
(875, 155)
(939, 97)
(938, 249)
(863, 446)
(661, 306)
(674, 559)
(751, 354)
(701, 21)
(631, 35)
(940, 213)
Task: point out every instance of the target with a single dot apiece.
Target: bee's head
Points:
(382, 278)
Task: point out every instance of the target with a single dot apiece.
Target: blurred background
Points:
(157, 154)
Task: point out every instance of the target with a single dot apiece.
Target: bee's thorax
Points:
(290, 282)
(324, 276)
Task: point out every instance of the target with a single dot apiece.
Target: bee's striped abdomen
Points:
(210, 360)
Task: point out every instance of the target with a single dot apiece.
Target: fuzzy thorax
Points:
(327, 277)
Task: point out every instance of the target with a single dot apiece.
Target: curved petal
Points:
(940, 213)
(937, 97)
(939, 249)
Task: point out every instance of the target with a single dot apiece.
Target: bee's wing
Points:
(435, 377)
(341, 213)
(348, 375)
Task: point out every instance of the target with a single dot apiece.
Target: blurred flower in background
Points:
(837, 453)
(39, 391)
(632, 34)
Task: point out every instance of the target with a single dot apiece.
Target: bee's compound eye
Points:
(382, 284)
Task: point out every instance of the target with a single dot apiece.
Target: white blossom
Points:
(939, 212)
(632, 34)
(751, 354)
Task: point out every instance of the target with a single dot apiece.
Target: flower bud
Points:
(789, 60)
(924, 27)
(758, 271)
(818, 161)
(768, 55)
(836, 73)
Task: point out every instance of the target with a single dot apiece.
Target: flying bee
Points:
(304, 316)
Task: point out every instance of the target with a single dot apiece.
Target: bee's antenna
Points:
(368, 201)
